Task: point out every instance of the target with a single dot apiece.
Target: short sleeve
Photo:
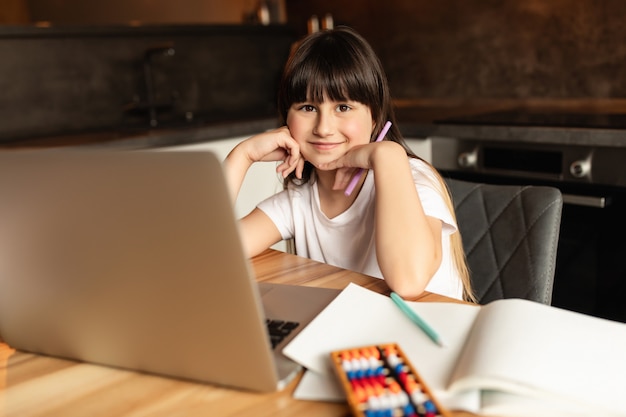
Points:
(279, 209)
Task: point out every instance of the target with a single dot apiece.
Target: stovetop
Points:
(542, 119)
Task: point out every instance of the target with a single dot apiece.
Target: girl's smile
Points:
(326, 146)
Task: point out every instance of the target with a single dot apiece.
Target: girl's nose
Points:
(324, 125)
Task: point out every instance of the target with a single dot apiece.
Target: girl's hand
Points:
(275, 145)
(359, 157)
(363, 157)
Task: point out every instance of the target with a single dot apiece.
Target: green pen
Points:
(430, 332)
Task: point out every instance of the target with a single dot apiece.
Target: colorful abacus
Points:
(379, 381)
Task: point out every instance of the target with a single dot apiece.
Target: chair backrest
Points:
(510, 236)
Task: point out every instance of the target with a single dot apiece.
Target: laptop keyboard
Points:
(279, 329)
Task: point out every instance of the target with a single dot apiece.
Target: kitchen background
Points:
(75, 71)
(449, 49)
(442, 58)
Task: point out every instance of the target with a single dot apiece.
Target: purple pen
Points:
(355, 180)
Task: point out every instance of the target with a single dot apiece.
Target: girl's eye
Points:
(307, 108)
(343, 107)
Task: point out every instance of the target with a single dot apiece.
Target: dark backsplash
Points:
(64, 80)
(477, 49)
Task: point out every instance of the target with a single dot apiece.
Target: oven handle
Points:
(587, 201)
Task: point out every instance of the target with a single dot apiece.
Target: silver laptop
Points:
(133, 260)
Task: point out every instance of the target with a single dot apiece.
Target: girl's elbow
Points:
(411, 281)
(406, 290)
(409, 288)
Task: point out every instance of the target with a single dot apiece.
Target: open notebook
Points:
(133, 260)
(512, 357)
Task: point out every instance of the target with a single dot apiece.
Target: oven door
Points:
(590, 274)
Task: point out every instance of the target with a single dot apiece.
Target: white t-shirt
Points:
(348, 240)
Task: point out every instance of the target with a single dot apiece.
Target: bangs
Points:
(333, 71)
(321, 83)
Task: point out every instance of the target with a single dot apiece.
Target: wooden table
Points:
(34, 385)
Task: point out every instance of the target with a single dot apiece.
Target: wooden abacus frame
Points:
(357, 407)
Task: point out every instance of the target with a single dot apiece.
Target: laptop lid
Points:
(133, 260)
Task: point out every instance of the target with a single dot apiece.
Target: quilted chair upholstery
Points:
(510, 236)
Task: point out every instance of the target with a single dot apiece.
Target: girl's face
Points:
(326, 131)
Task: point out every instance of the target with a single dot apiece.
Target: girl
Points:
(398, 223)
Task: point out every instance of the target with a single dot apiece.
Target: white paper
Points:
(554, 355)
(361, 317)
(319, 387)
(502, 359)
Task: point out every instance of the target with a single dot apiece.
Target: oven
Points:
(590, 275)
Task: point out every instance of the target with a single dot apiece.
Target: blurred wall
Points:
(14, 12)
(149, 12)
(104, 12)
(471, 49)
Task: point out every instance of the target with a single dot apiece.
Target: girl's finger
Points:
(284, 169)
(300, 168)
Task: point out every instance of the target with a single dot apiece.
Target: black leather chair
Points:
(510, 236)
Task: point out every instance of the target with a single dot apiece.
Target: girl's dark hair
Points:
(338, 65)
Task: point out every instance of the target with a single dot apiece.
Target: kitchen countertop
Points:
(150, 138)
(423, 118)
(416, 119)
(534, 134)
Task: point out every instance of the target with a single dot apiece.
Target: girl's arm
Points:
(408, 243)
(258, 232)
(275, 145)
